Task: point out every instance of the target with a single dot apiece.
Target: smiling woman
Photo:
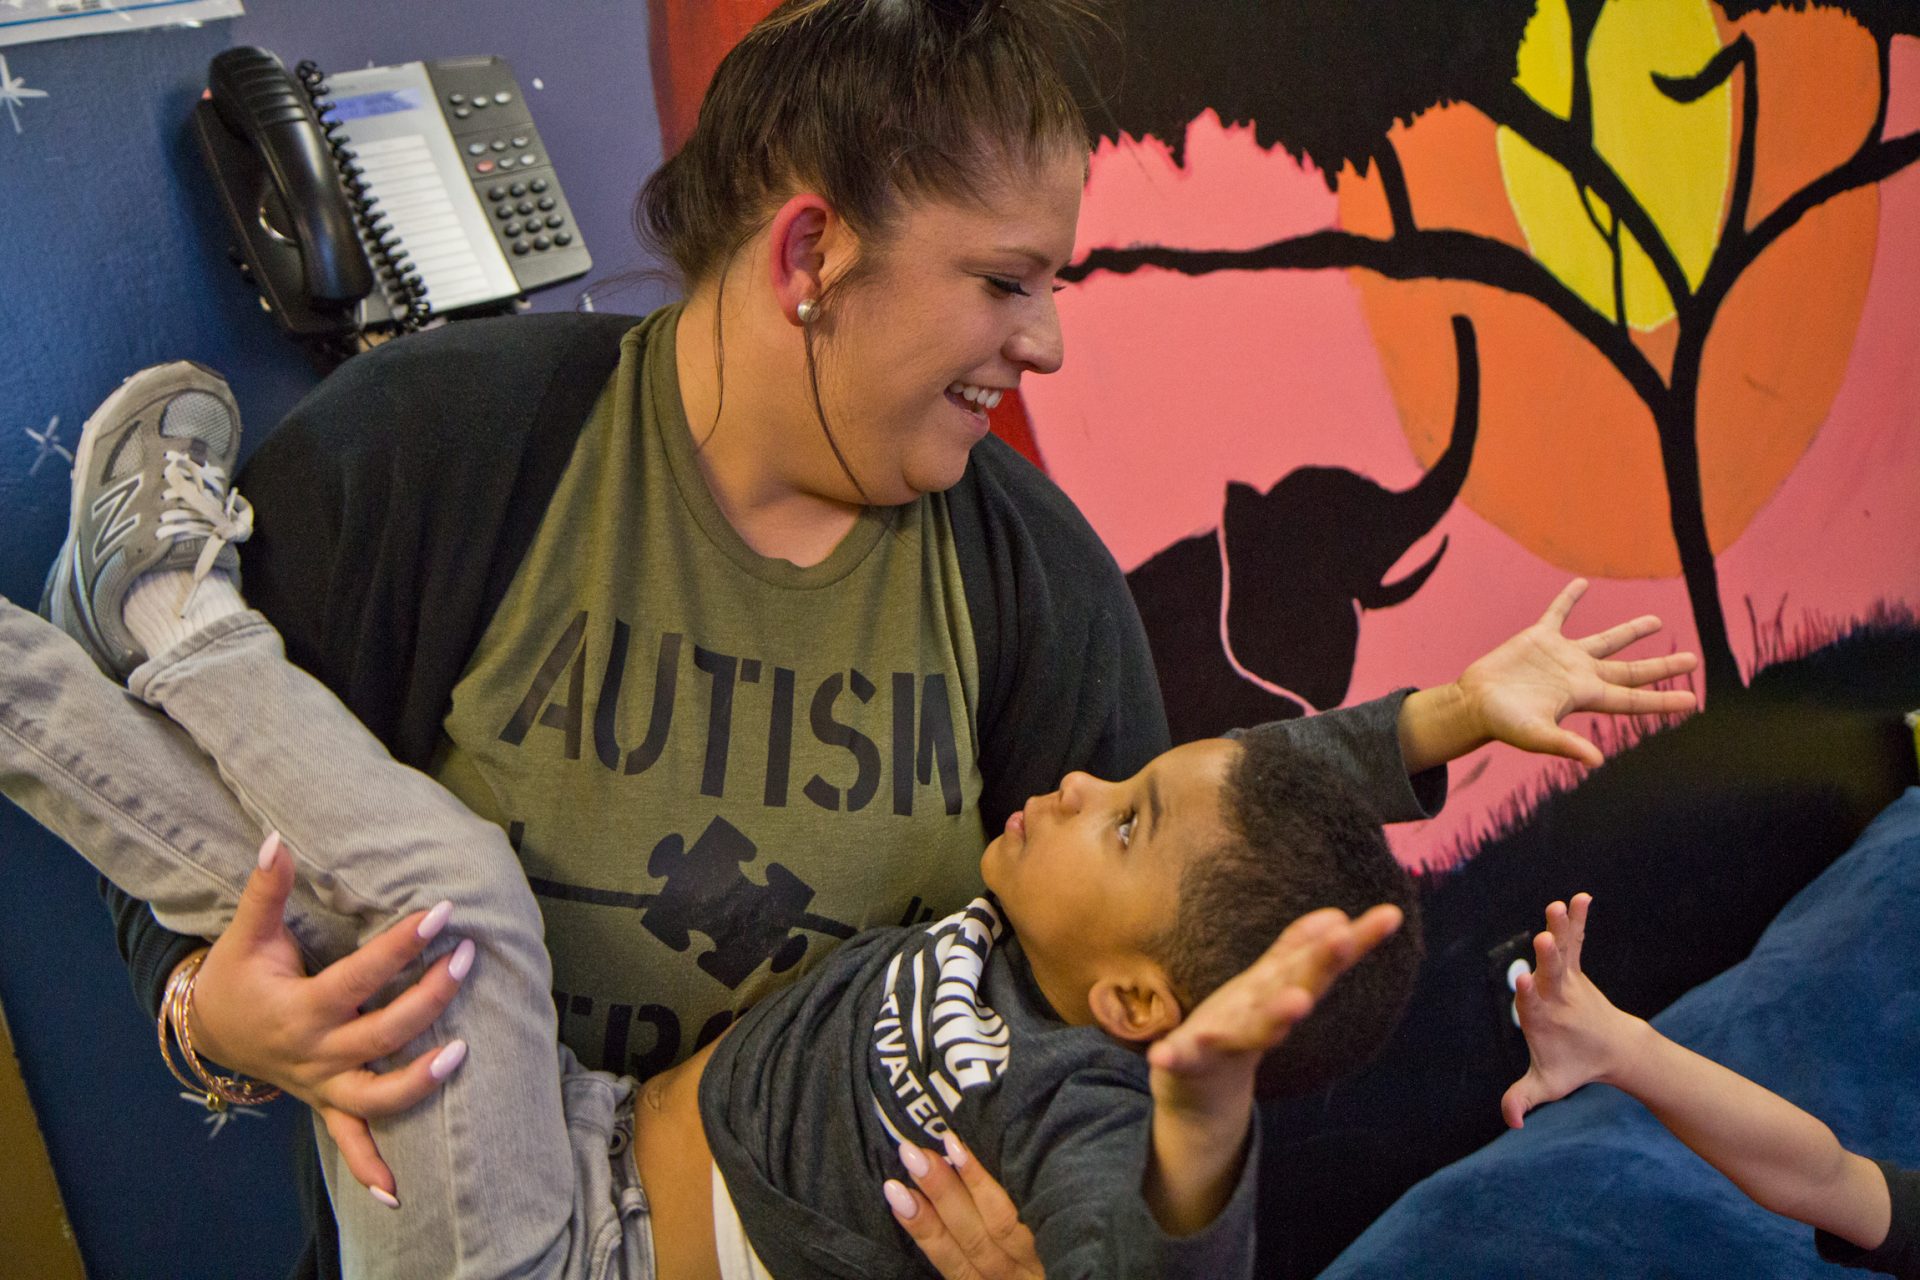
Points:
(731, 615)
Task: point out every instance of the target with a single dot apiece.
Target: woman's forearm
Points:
(1785, 1159)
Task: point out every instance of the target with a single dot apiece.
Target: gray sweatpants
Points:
(512, 1168)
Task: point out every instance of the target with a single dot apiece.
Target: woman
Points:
(733, 617)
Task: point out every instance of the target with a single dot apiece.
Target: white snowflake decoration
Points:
(14, 92)
(48, 445)
(217, 1120)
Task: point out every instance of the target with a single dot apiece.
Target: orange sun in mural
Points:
(1557, 418)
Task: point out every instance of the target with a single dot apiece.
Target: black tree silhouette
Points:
(1328, 79)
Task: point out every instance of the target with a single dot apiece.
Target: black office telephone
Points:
(372, 201)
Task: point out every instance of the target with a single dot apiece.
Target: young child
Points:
(1864, 1214)
(1144, 911)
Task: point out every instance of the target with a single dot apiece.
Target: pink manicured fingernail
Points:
(900, 1200)
(915, 1160)
(462, 960)
(384, 1197)
(269, 850)
(956, 1154)
(436, 920)
(448, 1060)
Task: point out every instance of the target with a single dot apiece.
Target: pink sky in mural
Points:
(1174, 386)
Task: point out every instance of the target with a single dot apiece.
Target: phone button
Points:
(541, 242)
(520, 141)
(546, 202)
(484, 166)
(519, 189)
(461, 113)
(476, 148)
(457, 99)
(497, 194)
(503, 98)
(503, 212)
(510, 230)
(520, 248)
(529, 158)
(564, 238)
(538, 184)
(555, 221)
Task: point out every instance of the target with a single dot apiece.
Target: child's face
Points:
(1089, 876)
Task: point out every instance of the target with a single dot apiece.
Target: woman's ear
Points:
(796, 252)
(1139, 1007)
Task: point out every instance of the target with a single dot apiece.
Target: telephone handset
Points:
(374, 200)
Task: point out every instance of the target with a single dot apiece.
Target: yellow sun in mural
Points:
(1681, 177)
(1568, 459)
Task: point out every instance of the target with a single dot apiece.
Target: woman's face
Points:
(951, 312)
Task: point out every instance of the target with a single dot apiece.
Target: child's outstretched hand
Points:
(1521, 691)
(1211, 1057)
(1575, 1034)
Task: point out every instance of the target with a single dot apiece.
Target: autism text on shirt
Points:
(916, 715)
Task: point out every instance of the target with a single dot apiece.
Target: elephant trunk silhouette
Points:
(1321, 541)
(1301, 561)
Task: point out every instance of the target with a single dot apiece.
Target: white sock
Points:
(153, 611)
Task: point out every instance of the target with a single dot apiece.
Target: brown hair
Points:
(1299, 837)
(869, 103)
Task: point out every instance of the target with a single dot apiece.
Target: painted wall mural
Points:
(1389, 319)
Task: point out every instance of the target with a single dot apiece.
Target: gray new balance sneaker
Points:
(151, 491)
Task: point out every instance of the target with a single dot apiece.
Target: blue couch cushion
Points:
(1825, 1012)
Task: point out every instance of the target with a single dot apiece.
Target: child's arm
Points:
(1520, 692)
(1785, 1159)
(1203, 1070)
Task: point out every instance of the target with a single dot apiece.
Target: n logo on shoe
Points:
(110, 510)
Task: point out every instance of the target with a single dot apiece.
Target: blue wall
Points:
(114, 257)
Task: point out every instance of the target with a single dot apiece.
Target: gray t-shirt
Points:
(947, 1029)
(907, 1032)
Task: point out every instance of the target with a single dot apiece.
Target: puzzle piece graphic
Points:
(705, 891)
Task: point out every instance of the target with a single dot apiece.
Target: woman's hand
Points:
(256, 1011)
(1519, 693)
(961, 1218)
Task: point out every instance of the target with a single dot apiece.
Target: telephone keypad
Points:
(530, 213)
(541, 216)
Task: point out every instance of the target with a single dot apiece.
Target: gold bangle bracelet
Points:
(176, 1008)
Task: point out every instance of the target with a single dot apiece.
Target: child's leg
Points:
(493, 1179)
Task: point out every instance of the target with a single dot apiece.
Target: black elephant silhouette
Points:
(1260, 618)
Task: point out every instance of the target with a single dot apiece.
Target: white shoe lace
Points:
(200, 503)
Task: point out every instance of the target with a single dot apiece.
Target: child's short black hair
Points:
(1299, 838)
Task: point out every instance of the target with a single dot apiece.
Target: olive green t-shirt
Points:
(715, 766)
